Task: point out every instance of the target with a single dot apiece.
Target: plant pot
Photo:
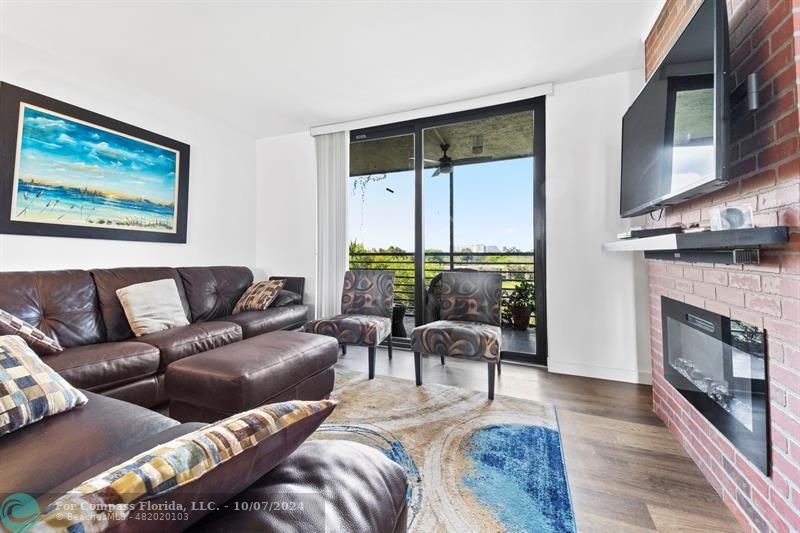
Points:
(521, 317)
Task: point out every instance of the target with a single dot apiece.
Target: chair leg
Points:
(418, 368)
(389, 345)
(371, 355)
(499, 365)
(491, 381)
(442, 360)
(344, 349)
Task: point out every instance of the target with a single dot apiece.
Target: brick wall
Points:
(765, 166)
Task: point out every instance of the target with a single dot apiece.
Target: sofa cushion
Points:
(176, 468)
(108, 281)
(105, 365)
(63, 304)
(29, 389)
(212, 292)
(41, 456)
(122, 454)
(33, 337)
(272, 319)
(286, 297)
(344, 486)
(259, 295)
(152, 306)
(177, 343)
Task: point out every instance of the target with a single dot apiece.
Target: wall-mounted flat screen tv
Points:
(675, 134)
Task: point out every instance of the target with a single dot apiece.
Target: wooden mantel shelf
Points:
(728, 246)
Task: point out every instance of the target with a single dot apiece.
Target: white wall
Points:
(221, 220)
(595, 299)
(287, 208)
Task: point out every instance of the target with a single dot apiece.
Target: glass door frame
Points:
(537, 107)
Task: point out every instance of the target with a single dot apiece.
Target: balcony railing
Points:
(513, 266)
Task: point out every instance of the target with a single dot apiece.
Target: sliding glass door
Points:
(456, 192)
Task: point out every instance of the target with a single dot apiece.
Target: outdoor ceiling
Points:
(268, 68)
(490, 139)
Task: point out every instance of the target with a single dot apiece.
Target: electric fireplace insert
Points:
(719, 365)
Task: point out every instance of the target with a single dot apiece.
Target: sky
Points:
(493, 205)
(58, 149)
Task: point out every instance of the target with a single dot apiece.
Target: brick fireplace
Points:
(765, 169)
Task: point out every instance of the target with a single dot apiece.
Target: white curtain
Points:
(333, 151)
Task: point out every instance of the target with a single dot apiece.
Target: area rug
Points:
(472, 464)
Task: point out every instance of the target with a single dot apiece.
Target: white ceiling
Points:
(270, 67)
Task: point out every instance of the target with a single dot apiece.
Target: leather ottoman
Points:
(269, 368)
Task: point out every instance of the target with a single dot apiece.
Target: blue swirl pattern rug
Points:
(473, 465)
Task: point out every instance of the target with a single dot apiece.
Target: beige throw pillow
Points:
(152, 306)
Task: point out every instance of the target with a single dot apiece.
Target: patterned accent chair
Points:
(366, 319)
(469, 324)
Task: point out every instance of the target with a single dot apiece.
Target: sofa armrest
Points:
(293, 283)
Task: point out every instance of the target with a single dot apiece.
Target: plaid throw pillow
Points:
(36, 338)
(29, 389)
(259, 295)
(112, 494)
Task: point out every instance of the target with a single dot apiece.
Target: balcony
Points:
(513, 266)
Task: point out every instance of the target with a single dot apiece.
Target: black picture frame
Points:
(11, 98)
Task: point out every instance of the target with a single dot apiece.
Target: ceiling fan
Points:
(444, 165)
(446, 162)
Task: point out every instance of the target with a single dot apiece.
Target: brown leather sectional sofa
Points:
(81, 310)
(351, 487)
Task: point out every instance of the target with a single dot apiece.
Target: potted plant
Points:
(522, 303)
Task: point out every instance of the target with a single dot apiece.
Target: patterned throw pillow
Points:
(36, 338)
(171, 465)
(259, 295)
(29, 389)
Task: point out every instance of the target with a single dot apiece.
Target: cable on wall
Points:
(660, 214)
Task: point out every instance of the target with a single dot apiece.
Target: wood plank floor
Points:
(626, 471)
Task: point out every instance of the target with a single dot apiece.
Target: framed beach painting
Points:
(69, 172)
